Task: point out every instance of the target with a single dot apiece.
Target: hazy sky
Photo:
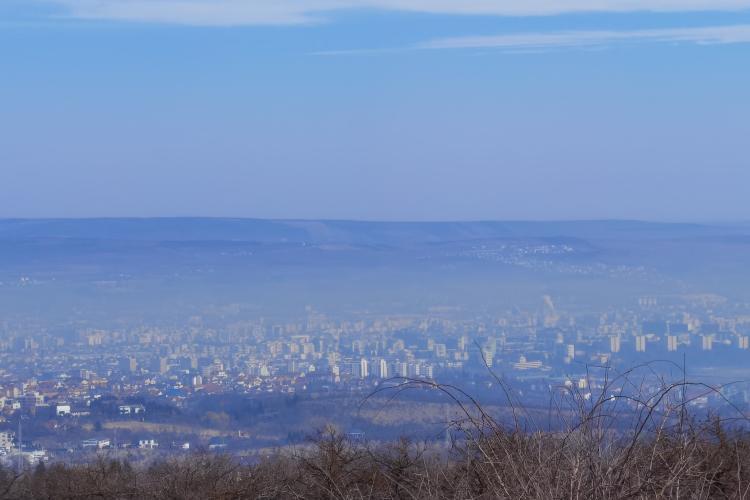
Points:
(376, 109)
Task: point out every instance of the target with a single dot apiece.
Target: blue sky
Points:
(377, 109)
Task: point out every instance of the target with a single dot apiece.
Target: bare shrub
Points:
(631, 437)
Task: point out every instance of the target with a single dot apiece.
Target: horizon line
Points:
(365, 220)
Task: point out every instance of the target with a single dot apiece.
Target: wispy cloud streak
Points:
(255, 12)
(582, 39)
(562, 40)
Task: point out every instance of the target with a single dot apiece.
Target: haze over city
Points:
(374, 249)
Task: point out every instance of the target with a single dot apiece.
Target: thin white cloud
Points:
(571, 39)
(254, 12)
(588, 39)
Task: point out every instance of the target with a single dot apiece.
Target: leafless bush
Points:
(627, 438)
(632, 437)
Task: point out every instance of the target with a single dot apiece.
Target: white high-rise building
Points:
(640, 343)
(383, 369)
(614, 343)
(488, 357)
(364, 371)
(707, 342)
(570, 351)
(463, 342)
(671, 343)
(440, 350)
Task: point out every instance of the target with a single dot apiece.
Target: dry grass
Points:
(156, 427)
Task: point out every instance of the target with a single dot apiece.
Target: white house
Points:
(131, 409)
(148, 444)
(7, 440)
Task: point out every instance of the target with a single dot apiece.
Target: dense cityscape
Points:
(139, 389)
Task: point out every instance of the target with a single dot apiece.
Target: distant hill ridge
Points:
(343, 231)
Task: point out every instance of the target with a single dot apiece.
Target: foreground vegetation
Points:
(662, 453)
(703, 463)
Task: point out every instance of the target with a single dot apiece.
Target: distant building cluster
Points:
(51, 378)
